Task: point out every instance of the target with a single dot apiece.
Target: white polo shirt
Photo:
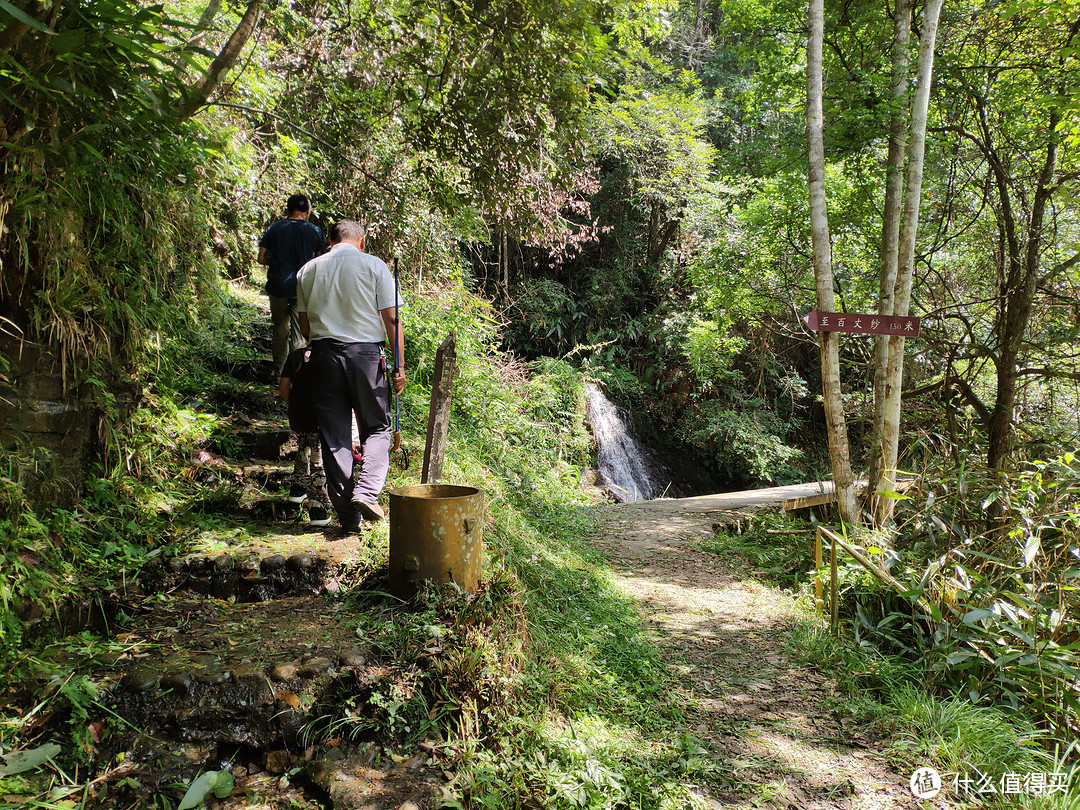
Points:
(342, 293)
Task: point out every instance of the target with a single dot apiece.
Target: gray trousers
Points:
(286, 337)
(348, 378)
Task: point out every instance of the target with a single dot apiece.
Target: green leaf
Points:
(25, 18)
(222, 784)
(19, 761)
(1032, 548)
(68, 41)
(198, 791)
(978, 614)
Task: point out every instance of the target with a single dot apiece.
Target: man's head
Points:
(298, 204)
(348, 231)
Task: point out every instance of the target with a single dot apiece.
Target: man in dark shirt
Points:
(284, 248)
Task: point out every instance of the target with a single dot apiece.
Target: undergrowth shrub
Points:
(999, 590)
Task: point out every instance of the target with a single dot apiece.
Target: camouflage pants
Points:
(308, 468)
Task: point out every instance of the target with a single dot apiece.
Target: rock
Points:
(141, 679)
(408, 805)
(177, 564)
(278, 761)
(285, 672)
(223, 563)
(274, 562)
(249, 563)
(300, 561)
(212, 676)
(179, 682)
(352, 657)
(246, 671)
(315, 666)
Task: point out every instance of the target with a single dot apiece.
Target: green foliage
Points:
(746, 444)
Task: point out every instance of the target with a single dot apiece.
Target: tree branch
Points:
(223, 62)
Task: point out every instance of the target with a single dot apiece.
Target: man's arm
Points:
(264, 256)
(305, 324)
(396, 332)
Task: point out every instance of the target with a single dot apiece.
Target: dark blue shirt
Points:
(291, 243)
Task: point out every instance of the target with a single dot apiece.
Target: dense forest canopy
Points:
(627, 181)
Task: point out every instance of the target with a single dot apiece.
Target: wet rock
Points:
(352, 657)
(291, 722)
(141, 679)
(277, 761)
(286, 671)
(223, 563)
(176, 682)
(275, 562)
(212, 676)
(301, 562)
(248, 564)
(315, 666)
(247, 671)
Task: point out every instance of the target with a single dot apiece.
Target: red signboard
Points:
(906, 325)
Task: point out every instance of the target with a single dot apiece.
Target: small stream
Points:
(623, 464)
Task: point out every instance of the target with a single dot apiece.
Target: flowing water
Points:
(622, 462)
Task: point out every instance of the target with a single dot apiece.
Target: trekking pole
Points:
(397, 365)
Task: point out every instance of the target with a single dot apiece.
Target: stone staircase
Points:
(239, 658)
(243, 653)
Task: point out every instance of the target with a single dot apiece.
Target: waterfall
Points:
(621, 460)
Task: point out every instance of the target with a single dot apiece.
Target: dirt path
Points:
(764, 718)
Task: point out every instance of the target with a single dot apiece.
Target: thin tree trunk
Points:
(223, 62)
(1020, 293)
(839, 452)
(890, 239)
(890, 433)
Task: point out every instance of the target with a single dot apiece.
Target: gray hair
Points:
(347, 231)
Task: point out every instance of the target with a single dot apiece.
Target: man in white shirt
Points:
(347, 308)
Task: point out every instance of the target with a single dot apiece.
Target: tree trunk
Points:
(890, 427)
(839, 452)
(1019, 291)
(223, 62)
(890, 238)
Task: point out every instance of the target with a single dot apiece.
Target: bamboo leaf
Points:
(25, 18)
(20, 761)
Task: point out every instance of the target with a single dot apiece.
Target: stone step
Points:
(245, 438)
(206, 673)
(208, 684)
(259, 569)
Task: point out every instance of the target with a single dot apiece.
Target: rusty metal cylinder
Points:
(435, 533)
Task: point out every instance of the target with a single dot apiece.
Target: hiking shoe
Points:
(297, 494)
(317, 516)
(370, 512)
